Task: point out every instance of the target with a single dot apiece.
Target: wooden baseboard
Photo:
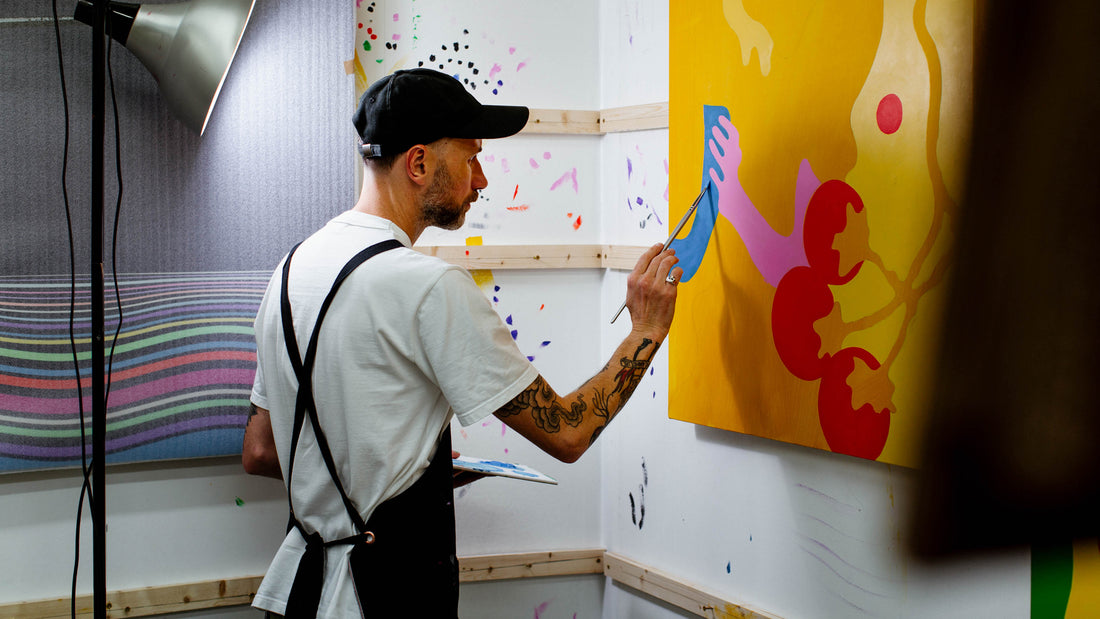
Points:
(676, 592)
(152, 601)
(474, 257)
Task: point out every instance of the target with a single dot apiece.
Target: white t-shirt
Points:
(408, 341)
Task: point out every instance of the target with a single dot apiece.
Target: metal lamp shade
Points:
(187, 46)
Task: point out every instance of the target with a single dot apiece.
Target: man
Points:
(407, 342)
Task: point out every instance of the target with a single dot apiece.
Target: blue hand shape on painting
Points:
(690, 249)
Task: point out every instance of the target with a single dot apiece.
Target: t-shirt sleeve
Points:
(471, 353)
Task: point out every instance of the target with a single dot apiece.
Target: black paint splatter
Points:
(637, 508)
(463, 70)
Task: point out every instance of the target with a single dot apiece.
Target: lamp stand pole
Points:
(99, 402)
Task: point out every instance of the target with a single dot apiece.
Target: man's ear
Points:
(419, 164)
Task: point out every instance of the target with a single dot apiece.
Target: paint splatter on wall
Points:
(535, 192)
(646, 193)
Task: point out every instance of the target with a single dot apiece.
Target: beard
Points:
(440, 208)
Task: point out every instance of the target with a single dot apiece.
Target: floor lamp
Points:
(188, 47)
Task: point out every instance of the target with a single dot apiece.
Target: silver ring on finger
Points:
(671, 279)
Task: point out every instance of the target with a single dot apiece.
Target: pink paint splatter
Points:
(504, 165)
(534, 164)
(496, 68)
(541, 608)
(521, 65)
(395, 17)
(570, 175)
(396, 37)
(511, 50)
(546, 155)
(666, 184)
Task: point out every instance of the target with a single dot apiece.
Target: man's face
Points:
(454, 185)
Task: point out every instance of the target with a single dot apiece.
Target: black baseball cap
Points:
(420, 106)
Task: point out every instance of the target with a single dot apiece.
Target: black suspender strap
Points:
(306, 590)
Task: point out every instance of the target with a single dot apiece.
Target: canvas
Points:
(833, 136)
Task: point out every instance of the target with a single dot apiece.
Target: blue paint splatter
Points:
(729, 568)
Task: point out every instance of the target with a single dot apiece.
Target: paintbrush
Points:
(672, 237)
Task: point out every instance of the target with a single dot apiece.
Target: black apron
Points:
(403, 559)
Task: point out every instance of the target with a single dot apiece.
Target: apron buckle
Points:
(368, 537)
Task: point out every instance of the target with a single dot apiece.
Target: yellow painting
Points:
(830, 137)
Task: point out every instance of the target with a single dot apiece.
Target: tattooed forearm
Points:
(252, 412)
(541, 402)
(601, 410)
(634, 369)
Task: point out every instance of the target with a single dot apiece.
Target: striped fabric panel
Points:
(180, 374)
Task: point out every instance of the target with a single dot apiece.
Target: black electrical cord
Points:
(85, 488)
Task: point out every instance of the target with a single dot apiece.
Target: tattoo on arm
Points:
(633, 370)
(252, 412)
(548, 413)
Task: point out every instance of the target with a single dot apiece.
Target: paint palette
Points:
(501, 469)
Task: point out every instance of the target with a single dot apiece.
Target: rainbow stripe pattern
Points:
(180, 375)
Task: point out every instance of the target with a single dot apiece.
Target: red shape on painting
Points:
(800, 299)
(889, 114)
(827, 216)
(856, 431)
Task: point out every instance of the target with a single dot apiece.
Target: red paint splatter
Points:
(889, 114)
(542, 307)
(360, 26)
(577, 224)
(515, 193)
(521, 207)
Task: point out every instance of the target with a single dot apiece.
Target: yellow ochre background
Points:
(802, 80)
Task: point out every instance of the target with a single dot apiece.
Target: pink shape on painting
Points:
(396, 37)
(494, 70)
(395, 17)
(511, 50)
(546, 155)
(772, 253)
(889, 114)
(521, 65)
(534, 164)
